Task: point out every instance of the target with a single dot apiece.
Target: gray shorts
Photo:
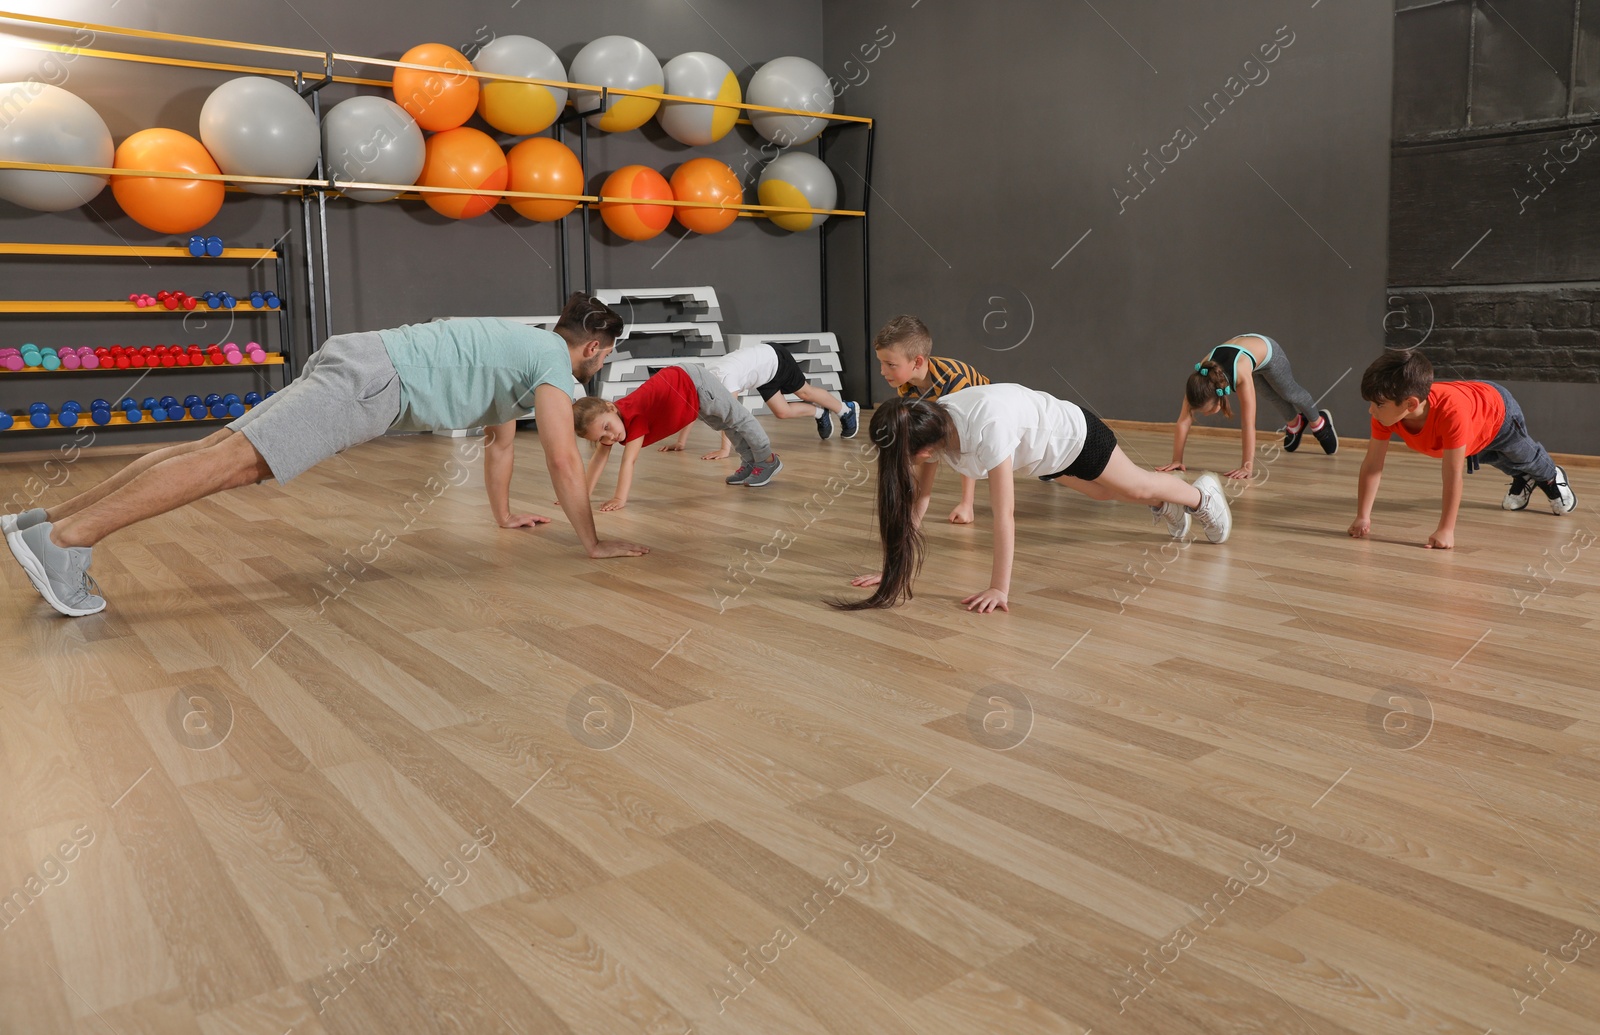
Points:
(348, 393)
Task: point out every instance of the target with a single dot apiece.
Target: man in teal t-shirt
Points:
(439, 376)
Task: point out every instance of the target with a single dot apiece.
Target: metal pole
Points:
(311, 272)
(583, 160)
(866, 258)
(285, 325)
(822, 234)
(561, 238)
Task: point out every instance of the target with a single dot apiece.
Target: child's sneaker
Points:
(1292, 433)
(1213, 510)
(60, 574)
(824, 424)
(1176, 516)
(1326, 437)
(1562, 499)
(20, 522)
(1519, 494)
(742, 475)
(763, 472)
(850, 420)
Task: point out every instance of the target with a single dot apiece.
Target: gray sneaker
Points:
(61, 575)
(1176, 515)
(763, 472)
(17, 522)
(742, 475)
(1213, 511)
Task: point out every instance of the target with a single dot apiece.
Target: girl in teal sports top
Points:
(1246, 367)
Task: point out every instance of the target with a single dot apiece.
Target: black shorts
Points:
(788, 380)
(1098, 445)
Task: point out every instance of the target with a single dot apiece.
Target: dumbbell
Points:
(11, 359)
(39, 415)
(214, 247)
(197, 246)
(252, 398)
(70, 412)
(6, 421)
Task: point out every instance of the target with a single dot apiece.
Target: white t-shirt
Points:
(744, 370)
(1038, 433)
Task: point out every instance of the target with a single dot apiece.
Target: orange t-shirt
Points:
(1460, 414)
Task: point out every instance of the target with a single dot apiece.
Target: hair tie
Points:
(1200, 368)
(1225, 391)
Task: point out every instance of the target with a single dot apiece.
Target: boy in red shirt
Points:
(662, 406)
(1464, 423)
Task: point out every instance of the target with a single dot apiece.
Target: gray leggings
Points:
(722, 412)
(1275, 382)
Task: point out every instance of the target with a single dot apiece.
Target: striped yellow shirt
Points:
(947, 375)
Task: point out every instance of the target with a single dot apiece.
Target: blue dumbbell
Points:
(257, 300)
(230, 399)
(100, 415)
(191, 400)
(214, 247)
(228, 301)
(273, 301)
(133, 414)
(213, 399)
(197, 246)
(38, 407)
(252, 398)
(99, 403)
(39, 418)
(198, 411)
(168, 402)
(126, 403)
(149, 403)
(6, 420)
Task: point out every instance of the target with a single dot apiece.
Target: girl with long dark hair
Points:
(994, 432)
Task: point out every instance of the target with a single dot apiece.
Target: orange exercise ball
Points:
(437, 100)
(708, 180)
(633, 221)
(465, 158)
(544, 165)
(164, 205)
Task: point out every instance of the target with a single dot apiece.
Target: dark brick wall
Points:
(1522, 332)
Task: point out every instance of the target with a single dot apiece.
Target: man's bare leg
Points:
(99, 492)
(225, 460)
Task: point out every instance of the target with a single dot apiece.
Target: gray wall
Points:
(1005, 128)
(396, 263)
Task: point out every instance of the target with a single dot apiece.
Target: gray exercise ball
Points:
(790, 82)
(617, 62)
(255, 126)
(520, 109)
(48, 125)
(706, 77)
(372, 139)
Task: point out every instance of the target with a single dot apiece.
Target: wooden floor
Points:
(1295, 783)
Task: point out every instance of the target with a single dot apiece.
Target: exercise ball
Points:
(469, 158)
(798, 180)
(51, 127)
(790, 82)
(544, 166)
(630, 220)
(372, 139)
(706, 179)
(619, 63)
(167, 206)
(520, 108)
(706, 77)
(255, 126)
(437, 100)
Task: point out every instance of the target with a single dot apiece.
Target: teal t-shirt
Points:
(472, 373)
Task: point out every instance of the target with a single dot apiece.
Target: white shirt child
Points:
(1040, 434)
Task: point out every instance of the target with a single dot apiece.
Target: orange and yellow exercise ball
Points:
(437, 100)
(167, 206)
(464, 158)
(544, 166)
(636, 220)
(707, 180)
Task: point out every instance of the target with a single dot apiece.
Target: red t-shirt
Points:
(664, 405)
(1460, 414)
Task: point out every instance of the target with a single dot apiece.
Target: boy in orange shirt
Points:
(905, 360)
(1463, 423)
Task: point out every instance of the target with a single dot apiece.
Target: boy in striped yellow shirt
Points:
(904, 347)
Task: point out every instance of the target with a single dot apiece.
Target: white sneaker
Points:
(1213, 511)
(1519, 494)
(1176, 516)
(1565, 500)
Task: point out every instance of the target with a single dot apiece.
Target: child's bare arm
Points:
(1247, 426)
(630, 456)
(1453, 471)
(1002, 494)
(597, 466)
(1180, 436)
(1367, 486)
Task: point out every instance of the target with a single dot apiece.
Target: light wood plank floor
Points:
(345, 758)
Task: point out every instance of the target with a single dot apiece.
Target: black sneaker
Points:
(1291, 438)
(850, 420)
(763, 471)
(1562, 499)
(1519, 494)
(1326, 437)
(824, 425)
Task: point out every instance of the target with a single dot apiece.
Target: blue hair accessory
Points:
(1225, 391)
(1199, 368)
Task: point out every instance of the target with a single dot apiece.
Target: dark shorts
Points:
(788, 380)
(1098, 445)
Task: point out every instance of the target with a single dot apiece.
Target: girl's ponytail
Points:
(1209, 383)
